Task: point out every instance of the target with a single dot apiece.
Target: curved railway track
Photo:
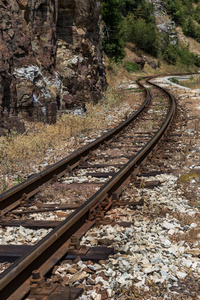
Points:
(15, 281)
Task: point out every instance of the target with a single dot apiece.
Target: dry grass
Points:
(190, 237)
(20, 154)
(188, 289)
(193, 82)
(116, 73)
(181, 217)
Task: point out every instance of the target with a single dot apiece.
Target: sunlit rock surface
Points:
(51, 48)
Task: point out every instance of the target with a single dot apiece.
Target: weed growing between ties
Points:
(23, 154)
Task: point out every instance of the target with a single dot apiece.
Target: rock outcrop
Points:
(27, 50)
(164, 23)
(53, 47)
(79, 55)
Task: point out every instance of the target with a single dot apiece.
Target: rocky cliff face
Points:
(164, 23)
(52, 49)
(79, 54)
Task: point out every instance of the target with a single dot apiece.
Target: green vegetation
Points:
(133, 21)
(174, 54)
(180, 10)
(111, 13)
(185, 13)
(131, 66)
(128, 20)
(142, 34)
(197, 13)
(174, 80)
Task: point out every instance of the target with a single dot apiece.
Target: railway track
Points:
(99, 172)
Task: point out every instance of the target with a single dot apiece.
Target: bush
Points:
(189, 28)
(169, 54)
(196, 59)
(131, 66)
(143, 35)
(174, 54)
(180, 10)
(141, 10)
(186, 57)
(174, 80)
(113, 44)
(197, 13)
(113, 14)
(134, 21)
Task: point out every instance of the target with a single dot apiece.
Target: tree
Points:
(190, 28)
(112, 16)
(143, 35)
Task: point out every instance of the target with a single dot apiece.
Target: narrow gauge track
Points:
(44, 255)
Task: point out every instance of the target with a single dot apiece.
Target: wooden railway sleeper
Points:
(21, 267)
(69, 169)
(106, 202)
(90, 215)
(118, 192)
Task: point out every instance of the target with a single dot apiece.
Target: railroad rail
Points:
(12, 198)
(15, 281)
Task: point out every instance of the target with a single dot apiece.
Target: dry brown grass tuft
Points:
(161, 291)
(183, 218)
(190, 237)
(188, 289)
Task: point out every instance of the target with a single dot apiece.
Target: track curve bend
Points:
(15, 281)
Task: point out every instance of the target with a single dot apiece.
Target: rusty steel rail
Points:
(27, 188)
(15, 281)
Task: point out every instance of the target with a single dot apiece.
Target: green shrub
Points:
(180, 10)
(167, 50)
(143, 35)
(196, 59)
(184, 13)
(113, 44)
(174, 80)
(190, 28)
(174, 54)
(114, 12)
(131, 66)
(141, 10)
(197, 13)
(134, 21)
(186, 57)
